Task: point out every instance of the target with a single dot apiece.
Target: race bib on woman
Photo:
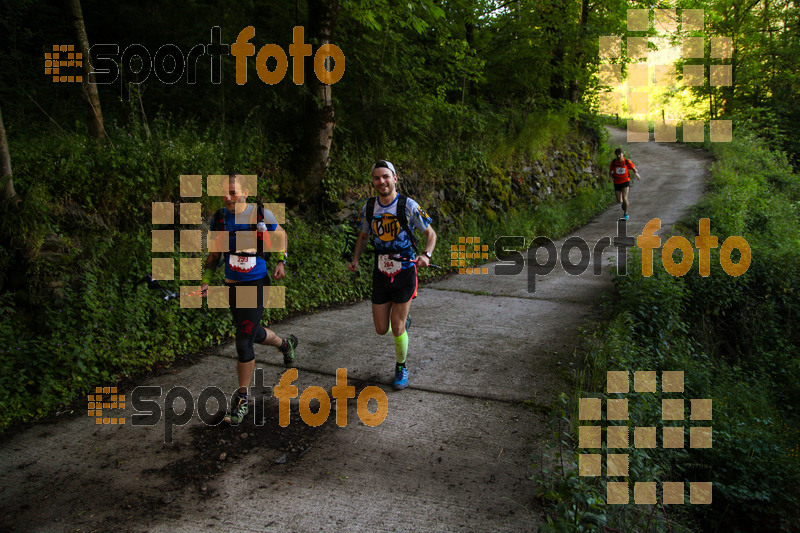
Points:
(389, 266)
(241, 263)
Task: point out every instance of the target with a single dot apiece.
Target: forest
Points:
(475, 101)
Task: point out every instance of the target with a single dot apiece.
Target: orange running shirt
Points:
(620, 170)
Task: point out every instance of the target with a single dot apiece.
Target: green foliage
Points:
(425, 86)
(737, 342)
(317, 276)
(69, 303)
(531, 135)
(99, 330)
(577, 500)
(655, 303)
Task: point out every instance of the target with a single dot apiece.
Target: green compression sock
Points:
(401, 347)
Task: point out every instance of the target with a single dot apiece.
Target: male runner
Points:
(622, 181)
(247, 269)
(394, 276)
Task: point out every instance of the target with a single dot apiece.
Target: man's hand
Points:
(280, 270)
(204, 289)
(423, 261)
(638, 177)
(358, 249)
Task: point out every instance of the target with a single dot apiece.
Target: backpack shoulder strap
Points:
(402, 217)
(260, 243)
(218, 220)
(370, 210)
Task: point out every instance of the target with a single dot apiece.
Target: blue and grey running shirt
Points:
(259, 270)
(388, 235)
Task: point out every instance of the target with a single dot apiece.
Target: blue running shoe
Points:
(626, 216)
(400, 377)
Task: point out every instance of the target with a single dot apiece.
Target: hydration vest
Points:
(402, 217)
(262, 237)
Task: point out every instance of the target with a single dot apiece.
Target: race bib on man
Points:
(389, 266)
(621, 171)
(241, 263)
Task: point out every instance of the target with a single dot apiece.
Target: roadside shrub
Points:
(735, 338)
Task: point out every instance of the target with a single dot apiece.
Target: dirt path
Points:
(454, 453)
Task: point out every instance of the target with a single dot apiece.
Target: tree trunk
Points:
(729, 102)
(321, 22)
(94, 116)
(557, 91)
(469, 36)
(555, 28)
(575, 89)
(7, 191)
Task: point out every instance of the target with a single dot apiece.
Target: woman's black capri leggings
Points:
(247, 320)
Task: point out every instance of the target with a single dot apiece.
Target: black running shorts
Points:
(400, 289)
(621, 186)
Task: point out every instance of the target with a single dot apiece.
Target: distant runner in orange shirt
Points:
(619, 174)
